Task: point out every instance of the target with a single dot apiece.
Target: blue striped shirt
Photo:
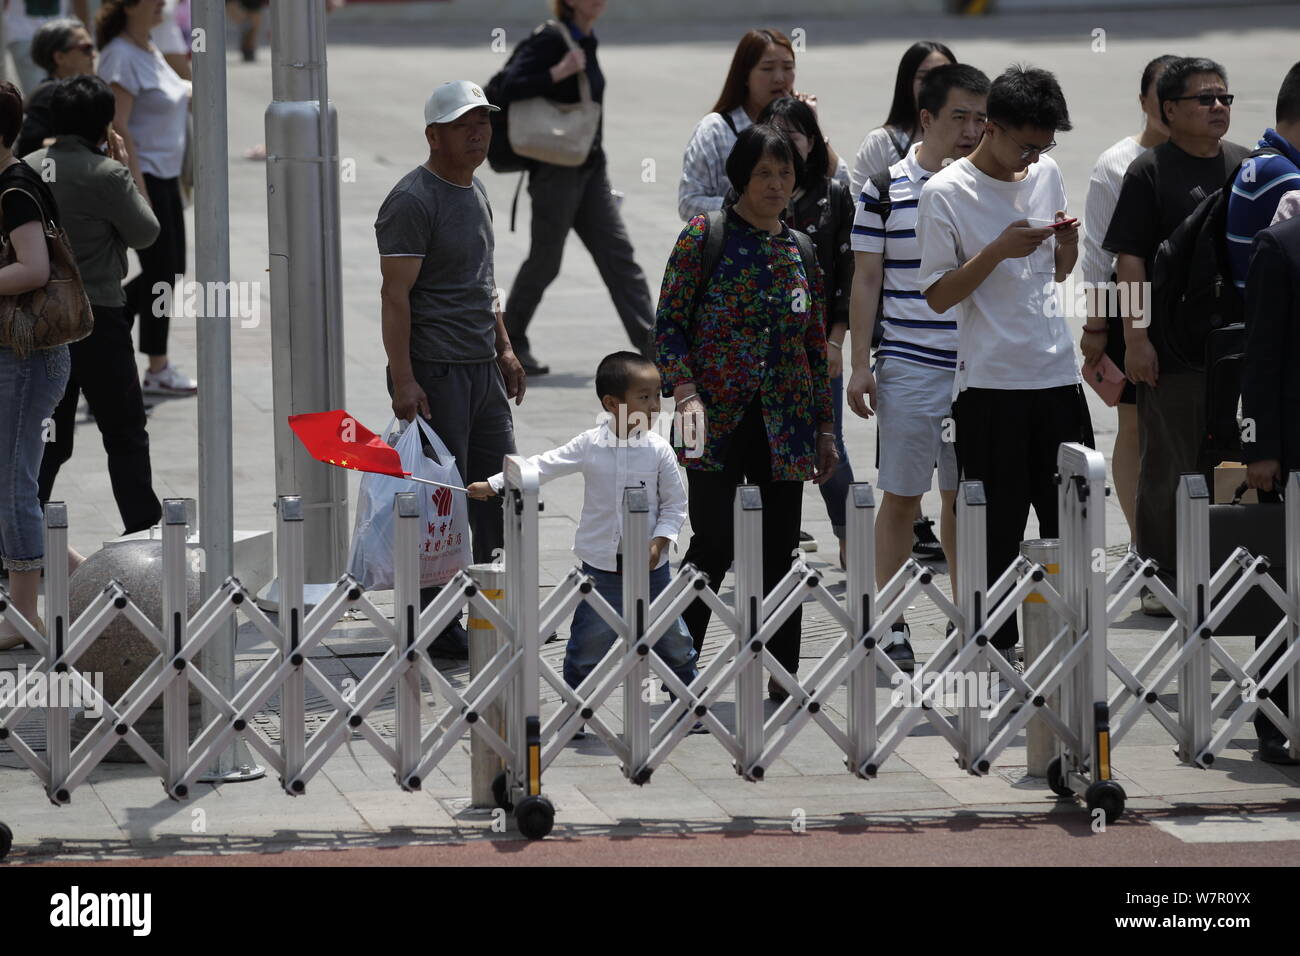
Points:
(1259, 187)
(912, 330)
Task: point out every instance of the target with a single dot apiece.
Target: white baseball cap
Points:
(454, 99)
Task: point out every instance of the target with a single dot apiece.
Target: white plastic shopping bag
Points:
(444, 516)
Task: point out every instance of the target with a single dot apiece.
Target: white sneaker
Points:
(1153, 606)
(169, 381)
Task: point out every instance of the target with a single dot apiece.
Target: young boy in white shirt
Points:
(623, 451)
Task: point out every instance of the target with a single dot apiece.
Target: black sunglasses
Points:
(1207, 99)
(86, 47)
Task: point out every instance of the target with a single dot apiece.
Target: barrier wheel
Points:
(1109, 796)
(501, 792)
(534, 817)
(1056, 779)
(6, 840)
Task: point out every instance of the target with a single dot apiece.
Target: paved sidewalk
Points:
(660, 81)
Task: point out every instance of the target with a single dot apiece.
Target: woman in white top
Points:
(1107, 332)
(887, 144)
(762, 70)
(153, 105)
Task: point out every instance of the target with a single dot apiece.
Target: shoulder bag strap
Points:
(45, 220)
(584, 84)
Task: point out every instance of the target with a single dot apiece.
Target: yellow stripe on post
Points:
(534, 769)
(1103, 755)
(1038, 598)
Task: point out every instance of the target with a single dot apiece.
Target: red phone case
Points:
(1106, 379)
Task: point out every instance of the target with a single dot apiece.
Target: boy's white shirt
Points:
(608, 465)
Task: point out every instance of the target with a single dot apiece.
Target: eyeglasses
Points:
(87, 48)
(1026, 151)
(1207, 99)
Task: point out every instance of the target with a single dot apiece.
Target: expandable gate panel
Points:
(1074, 666)
(1186, 652)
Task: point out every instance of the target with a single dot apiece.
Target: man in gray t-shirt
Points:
(449, 357)
(450, 228)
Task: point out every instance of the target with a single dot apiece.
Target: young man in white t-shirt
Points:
(991, 257)
(910, 387)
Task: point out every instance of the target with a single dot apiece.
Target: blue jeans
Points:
(30, 389)
(835, 492)
(590, 638)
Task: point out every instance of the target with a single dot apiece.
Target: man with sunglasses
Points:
(1161, 188)
(991, 259)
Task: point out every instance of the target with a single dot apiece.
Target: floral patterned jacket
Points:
(759, 331)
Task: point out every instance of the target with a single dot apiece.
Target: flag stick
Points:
(430, 481)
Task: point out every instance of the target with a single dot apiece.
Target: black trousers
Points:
(161, 262)
(578, 198)
(1171, 429)
(712, 548)
(103, 368)
(1008, 439)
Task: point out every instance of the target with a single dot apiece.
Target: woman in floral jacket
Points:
(744, 349)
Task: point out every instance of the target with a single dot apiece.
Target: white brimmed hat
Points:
(454, 99)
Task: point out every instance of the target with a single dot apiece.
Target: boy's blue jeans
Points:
(591, 638)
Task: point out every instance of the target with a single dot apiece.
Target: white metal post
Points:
(302, 172)
(1293, 590)
(216, 420)
(406, 614)
(58, 715)
(1194, 694)
(748, 516)
(636, 599)
(972, 558)
(175, 629)
(860, 596)
(293, 693)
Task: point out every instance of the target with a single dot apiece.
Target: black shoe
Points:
(1275, 750)
(530, 363)
(775, 691)
(899, 649)
(924, 544)
(452, 643)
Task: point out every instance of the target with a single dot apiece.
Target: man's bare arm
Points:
(399, 275)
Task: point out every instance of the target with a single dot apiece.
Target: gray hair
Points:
(53, 37)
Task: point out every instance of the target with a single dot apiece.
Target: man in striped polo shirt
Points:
(1262, 181)
(911, 387)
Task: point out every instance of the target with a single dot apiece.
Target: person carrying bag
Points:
(43, 307)
(551, 91)
(444, 544)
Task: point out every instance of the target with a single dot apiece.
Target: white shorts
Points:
(913, 414)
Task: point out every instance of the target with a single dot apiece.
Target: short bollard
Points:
(1040, 625)
(484, 642)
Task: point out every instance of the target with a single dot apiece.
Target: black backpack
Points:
(501, 157)
(1191, 280)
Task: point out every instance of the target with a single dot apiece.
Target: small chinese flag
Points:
(337, 438)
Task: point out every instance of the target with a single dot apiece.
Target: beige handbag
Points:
(55, 314)
(551, 132)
